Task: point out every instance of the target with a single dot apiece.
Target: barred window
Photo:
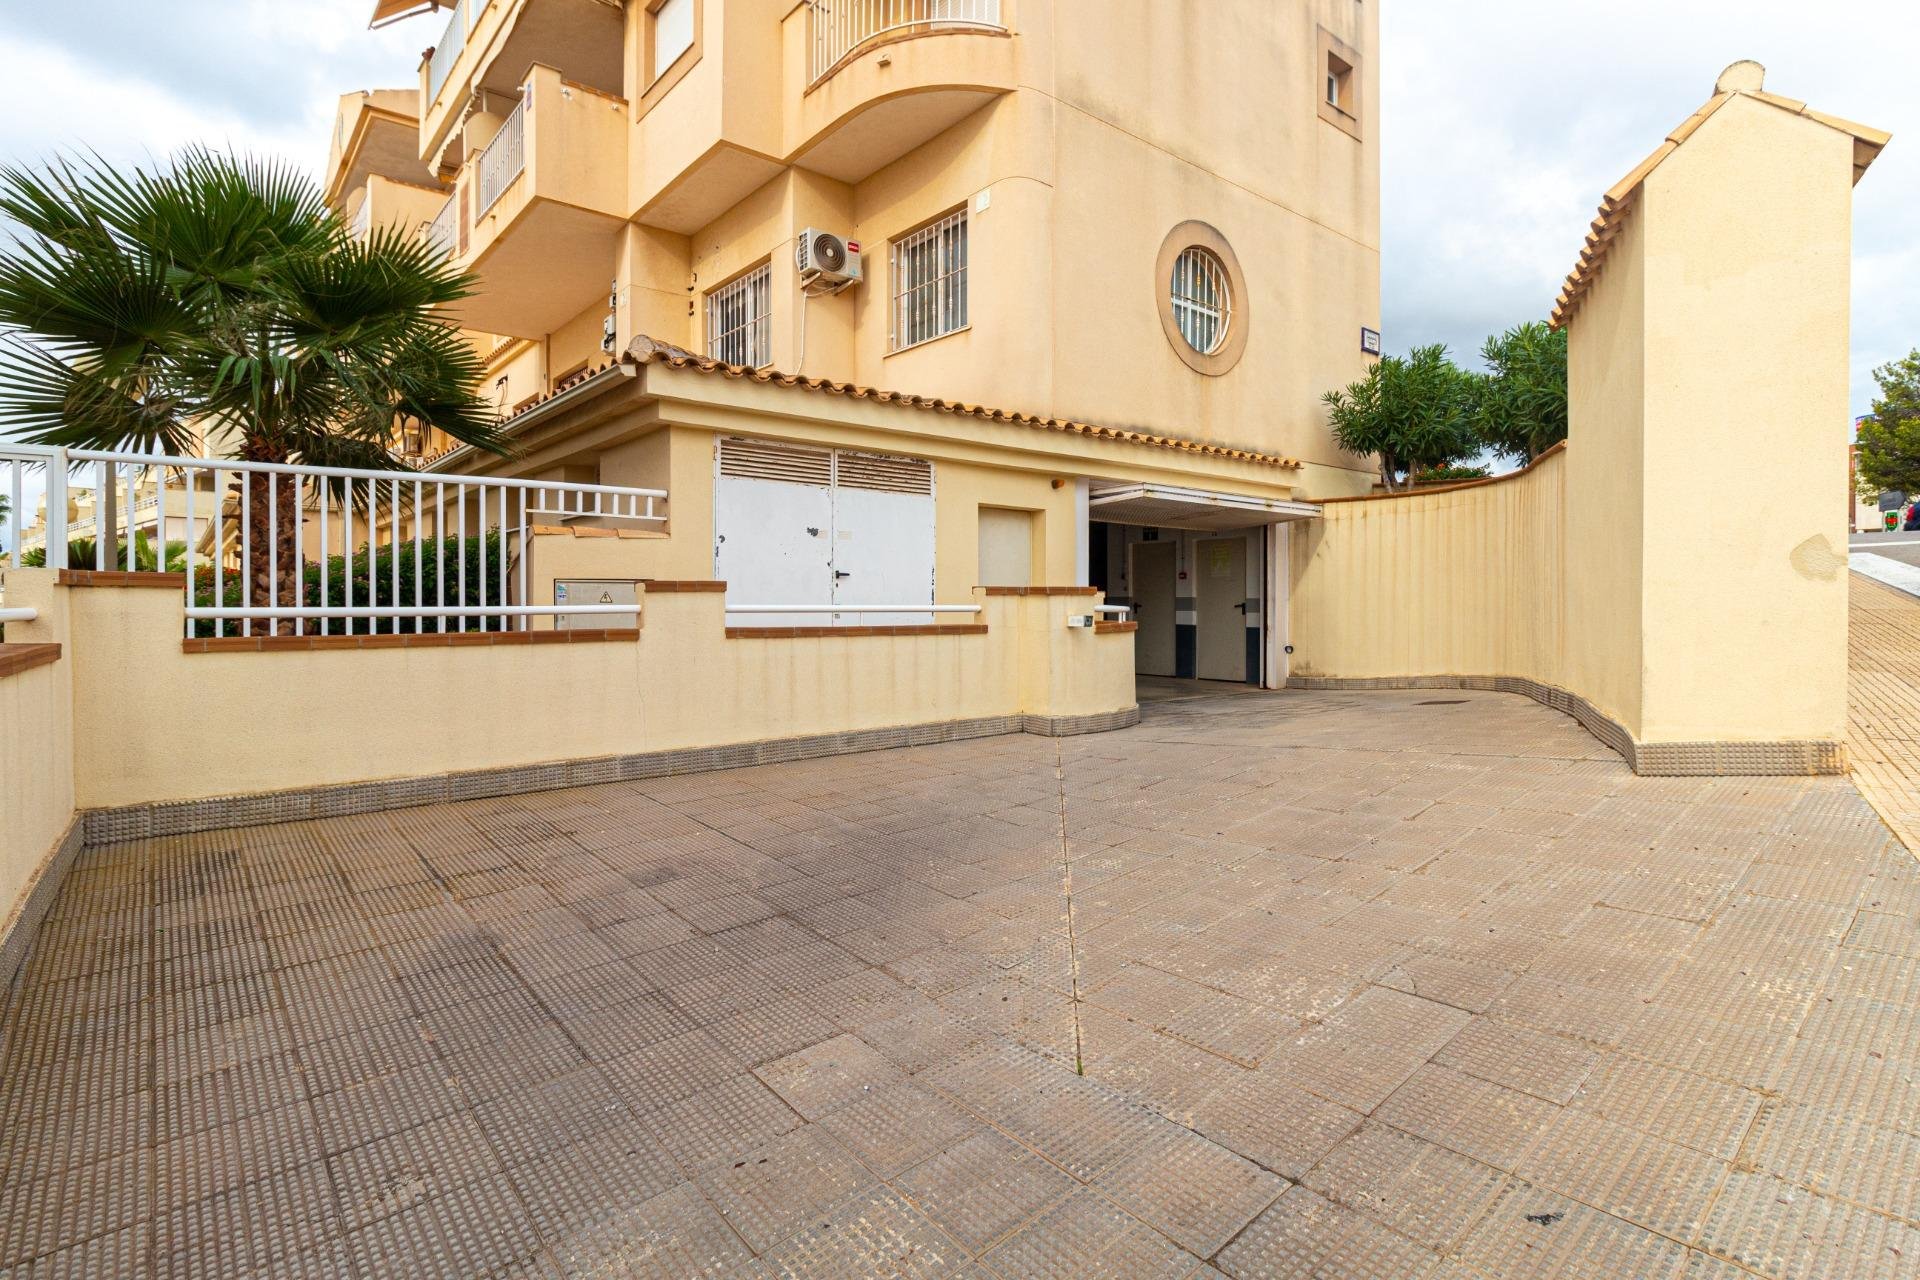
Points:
(930, 282)
(739, 322)
(1202, 299)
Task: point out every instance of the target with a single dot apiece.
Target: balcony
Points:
(395, 206)
(543, 206)
(487, 48)
(886, 76)
(840, 29)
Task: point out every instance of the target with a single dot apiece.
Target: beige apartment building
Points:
(901, 297)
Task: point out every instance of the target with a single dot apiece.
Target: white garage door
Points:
(828, 528)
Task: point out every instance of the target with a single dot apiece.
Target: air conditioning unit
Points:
(827, 263)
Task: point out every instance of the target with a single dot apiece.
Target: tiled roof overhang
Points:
(644, 350)
(1620, 198)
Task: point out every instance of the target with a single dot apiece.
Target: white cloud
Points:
(1503, 121)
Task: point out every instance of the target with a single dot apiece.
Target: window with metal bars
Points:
(1202, 299)
(739, 320)
(930, 282)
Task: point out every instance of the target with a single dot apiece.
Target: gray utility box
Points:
(598, 591)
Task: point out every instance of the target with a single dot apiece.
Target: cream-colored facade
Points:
(1163, 220)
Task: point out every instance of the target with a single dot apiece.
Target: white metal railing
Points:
(1120, 612)
(836, 29)
(363, 217)
(446, 51)
(18, 615)
(441, 233)
(415, 548)
(506, 154)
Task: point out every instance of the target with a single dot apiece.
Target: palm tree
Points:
(220, 300)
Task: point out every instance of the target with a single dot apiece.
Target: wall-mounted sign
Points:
(1370, 340)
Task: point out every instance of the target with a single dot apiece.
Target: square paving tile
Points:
(1499, 1006)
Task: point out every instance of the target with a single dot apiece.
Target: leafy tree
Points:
(1889, 439)
(1414, 414)
(220, 300)
(1520, 403)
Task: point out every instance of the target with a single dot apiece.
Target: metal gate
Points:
(834, 530)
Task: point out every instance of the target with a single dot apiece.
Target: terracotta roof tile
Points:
(1620, 198)
(644, 350)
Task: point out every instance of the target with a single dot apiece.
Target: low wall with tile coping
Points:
(164, 720)
(38, 833)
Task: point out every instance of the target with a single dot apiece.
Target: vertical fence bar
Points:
(246, 548)
(440, 551)
(299, 551)
(219, 552)
(418, 585)
(502, 554)
(133, 493)
(346, 544)
(326, 551)
(17, 504)
(393, 551)
(57, 478)
(273, 547)
(460, 547)
(192, 483)
(526, 623)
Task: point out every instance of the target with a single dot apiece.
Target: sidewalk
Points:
(1883, 711)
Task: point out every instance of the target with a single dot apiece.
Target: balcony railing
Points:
(417, 551)
(442, 234)
(447, 51)
(363, 217)
(506, 155)
(837, 29)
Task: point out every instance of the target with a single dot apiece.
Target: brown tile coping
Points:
(687, 584)
(428, 640)
(797, 633)
(1114, 628)
(1041, 591)
(15, 658)
(591, 531)
(120, 578)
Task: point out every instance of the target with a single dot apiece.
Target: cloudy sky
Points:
(1504, 120)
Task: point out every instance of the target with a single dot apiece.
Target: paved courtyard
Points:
(1314, 984)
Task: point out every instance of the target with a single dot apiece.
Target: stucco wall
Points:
(36, 758)
(1462, 582)
(195, 725)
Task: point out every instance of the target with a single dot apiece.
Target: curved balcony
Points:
(840, 30)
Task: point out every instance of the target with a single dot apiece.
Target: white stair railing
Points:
(279, 548)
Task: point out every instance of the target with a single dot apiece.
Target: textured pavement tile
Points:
(1630, 1174)
(768, 1193)
(875, 1232)
(1087, 1235)
(1420, 1190)
(493, 1037)
(1194, 1191)
(1303, 1234)
(1485, 1121)
(896, 1126)
(1777, 1228)
(1534, 1062)
(984, 1188)
(1529, 1232)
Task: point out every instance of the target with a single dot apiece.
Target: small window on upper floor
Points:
(672, 33)
(1339, 83)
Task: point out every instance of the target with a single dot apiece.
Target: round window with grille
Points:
(1202, 299)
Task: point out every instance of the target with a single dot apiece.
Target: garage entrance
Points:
(1204, 574)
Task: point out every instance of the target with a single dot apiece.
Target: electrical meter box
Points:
(596, 591)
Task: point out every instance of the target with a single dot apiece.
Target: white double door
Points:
(833, 530)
